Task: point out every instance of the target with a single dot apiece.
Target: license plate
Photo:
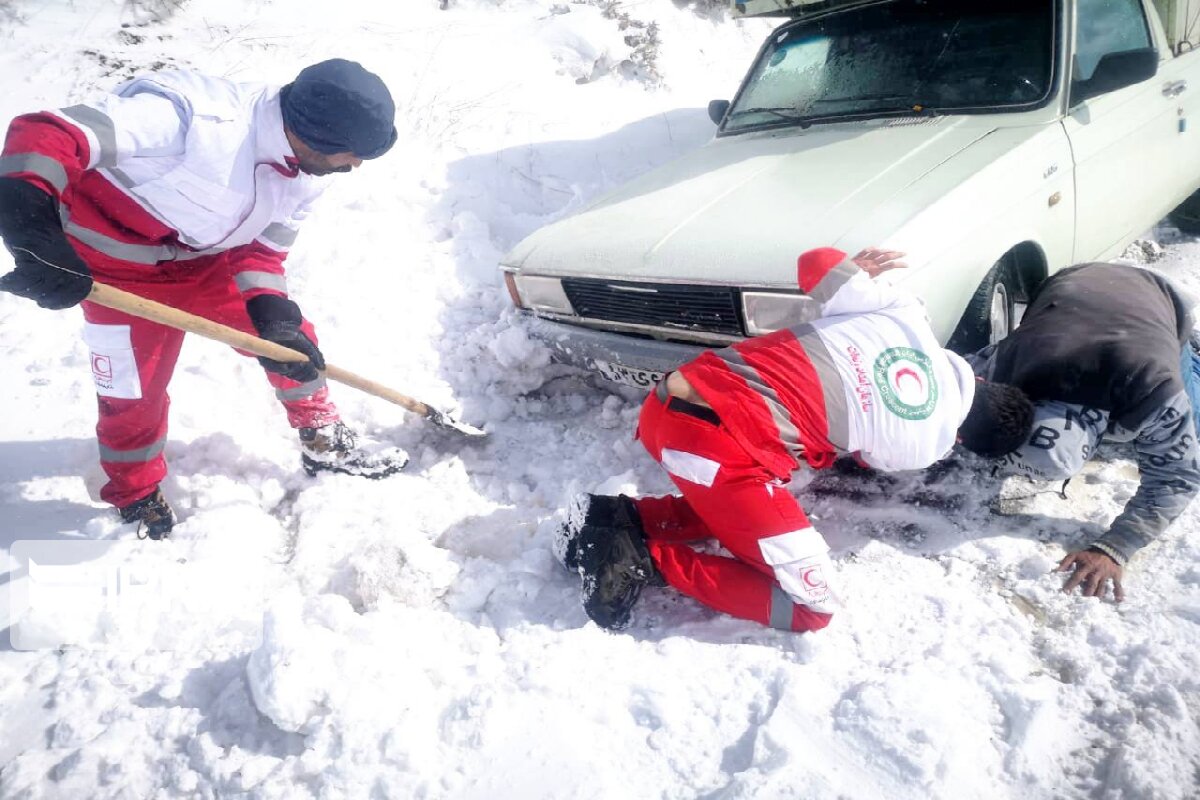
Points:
(629, 376)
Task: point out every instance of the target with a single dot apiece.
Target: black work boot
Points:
(334, 448)
(152, 513)
(615, 565)
(589, 511)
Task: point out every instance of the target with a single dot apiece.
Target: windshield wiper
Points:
(859, 98)
(775, 112)
(909, 108)
(807, 121)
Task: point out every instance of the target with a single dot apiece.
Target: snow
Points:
(417, 636)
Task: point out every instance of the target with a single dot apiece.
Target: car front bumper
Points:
(627, 359)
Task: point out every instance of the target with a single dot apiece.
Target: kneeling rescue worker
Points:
(188, 190)
(867, 377)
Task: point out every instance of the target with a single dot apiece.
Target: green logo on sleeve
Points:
(906, 383)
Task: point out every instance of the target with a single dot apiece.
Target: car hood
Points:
(741, 209)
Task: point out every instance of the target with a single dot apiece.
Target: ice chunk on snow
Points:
(294, 672)
(416, 574)
(514, 348)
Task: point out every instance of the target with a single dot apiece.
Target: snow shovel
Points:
(137, 306)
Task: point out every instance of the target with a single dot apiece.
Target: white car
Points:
(993, 141)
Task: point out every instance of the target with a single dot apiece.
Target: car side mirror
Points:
(1116, 71)
(717, 110)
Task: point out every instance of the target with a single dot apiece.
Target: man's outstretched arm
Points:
(847, 285)
(1169, 462)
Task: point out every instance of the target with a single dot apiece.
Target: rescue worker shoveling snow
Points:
(868, 377)
(188, 190)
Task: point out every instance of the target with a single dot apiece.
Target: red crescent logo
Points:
(102, 367)
(807, 577)
(909, 372)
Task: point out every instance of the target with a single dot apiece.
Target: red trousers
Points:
(133, 359)
(779, 573)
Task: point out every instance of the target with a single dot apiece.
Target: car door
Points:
(1123, 140)
(1179, 80)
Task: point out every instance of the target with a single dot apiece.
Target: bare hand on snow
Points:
(1093, 571)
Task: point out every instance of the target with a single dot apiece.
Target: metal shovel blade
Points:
(444, 420)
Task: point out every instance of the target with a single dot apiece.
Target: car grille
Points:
(713, 309)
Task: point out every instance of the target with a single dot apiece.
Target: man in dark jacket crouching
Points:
(1104, 352)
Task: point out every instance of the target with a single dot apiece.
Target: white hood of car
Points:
(742, 208)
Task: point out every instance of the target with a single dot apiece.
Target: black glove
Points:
(33, 233)
(278, 320)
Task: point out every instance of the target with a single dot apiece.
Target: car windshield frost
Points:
(908, 56)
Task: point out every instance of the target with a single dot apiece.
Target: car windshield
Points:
(908, 56)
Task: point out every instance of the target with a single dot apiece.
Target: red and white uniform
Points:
(181, 188)
(867, 377)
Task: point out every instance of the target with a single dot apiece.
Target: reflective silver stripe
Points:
(99, 124)
(279, 235)
(782, 606)
(788, 433)
(835, 279)
(301, 392)
(148, 254)
(131, 186)
(122, 178)
(246, 281)
(148, 453)
(172, 253)
(837, 412)
(44, 167)
(179, 254)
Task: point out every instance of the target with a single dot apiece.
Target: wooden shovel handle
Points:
(136, 306)
(345, 376)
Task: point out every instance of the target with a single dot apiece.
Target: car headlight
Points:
(538, 293)
(767, 312)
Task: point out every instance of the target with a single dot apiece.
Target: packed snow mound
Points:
(584, 43)
(415, 637)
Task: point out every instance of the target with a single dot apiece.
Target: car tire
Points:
(991, 314)
(1186, 216)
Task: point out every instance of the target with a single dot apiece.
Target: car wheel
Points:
(991, 314)
(1186, 215)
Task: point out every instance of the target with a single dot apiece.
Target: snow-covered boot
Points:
(615, 565)
(152, 513)
(588, 511)
(334, 448)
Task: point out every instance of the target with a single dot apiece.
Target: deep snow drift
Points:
(419, 640)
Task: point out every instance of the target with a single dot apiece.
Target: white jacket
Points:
(205, 157)
(905, 395)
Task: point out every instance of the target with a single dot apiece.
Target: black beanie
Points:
(336, 106)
